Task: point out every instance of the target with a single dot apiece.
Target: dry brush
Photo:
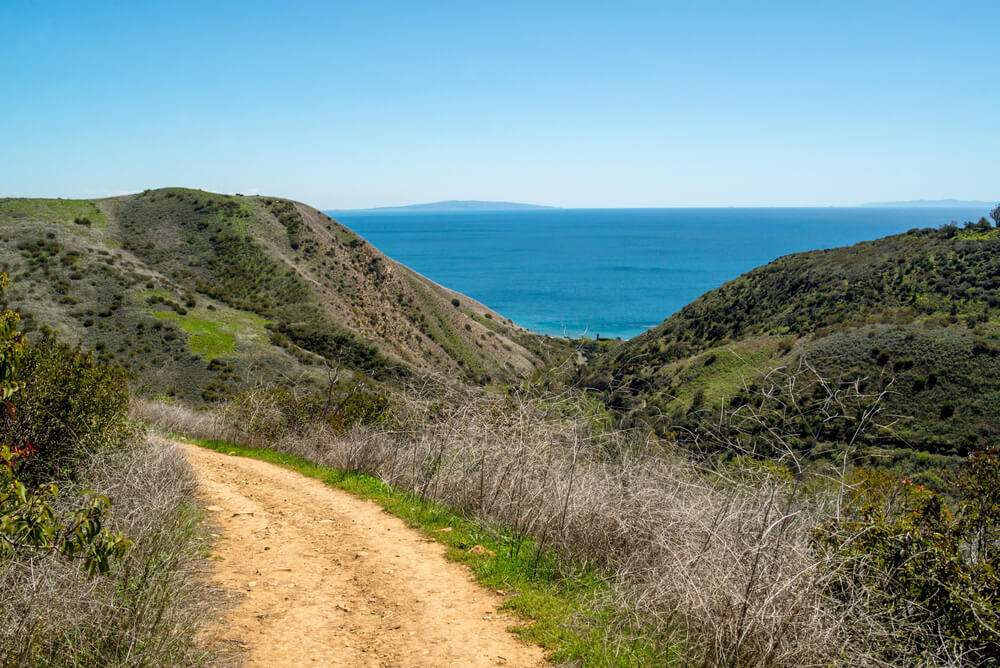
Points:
(717, 556)
(146, 610)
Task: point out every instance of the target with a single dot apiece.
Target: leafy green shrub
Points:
(71, 405)
(12, 345)
(360, 406)
(930, 573)
(27, 519)
(270, 413)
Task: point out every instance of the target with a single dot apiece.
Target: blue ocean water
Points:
(613, 272)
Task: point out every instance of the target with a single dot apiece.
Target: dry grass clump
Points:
(145, 610)
(717, 556)
(179, 419)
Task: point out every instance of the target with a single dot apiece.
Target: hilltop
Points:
(198, 294)
(920, 309)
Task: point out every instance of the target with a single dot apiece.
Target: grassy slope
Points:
(196, 293)
(922, 308)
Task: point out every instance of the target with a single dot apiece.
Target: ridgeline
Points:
(198, 295)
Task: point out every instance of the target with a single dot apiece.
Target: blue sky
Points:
(581, 104)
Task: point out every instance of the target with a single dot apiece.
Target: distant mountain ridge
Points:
(933, 203)
(457, 205)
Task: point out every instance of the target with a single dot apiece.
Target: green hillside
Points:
(198, 294)
(917, 314)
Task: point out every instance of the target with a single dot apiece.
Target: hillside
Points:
(198, 294)
(920, 309)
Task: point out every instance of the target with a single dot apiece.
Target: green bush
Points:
(928, 572)
(71, 405)
(27, 518)
(360, 406)
(269, 413)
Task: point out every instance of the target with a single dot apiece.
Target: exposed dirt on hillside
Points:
(321, 577)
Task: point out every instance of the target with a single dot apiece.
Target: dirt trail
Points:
(327, 579)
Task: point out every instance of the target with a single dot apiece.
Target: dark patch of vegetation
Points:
(337, 344)
(70, 407)
(289, 217)
(152, 300)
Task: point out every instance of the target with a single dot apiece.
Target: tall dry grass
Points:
(146, 610)
(718, 557)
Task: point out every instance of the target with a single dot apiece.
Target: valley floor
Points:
(320, 577)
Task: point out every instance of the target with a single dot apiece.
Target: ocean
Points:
(614, 272)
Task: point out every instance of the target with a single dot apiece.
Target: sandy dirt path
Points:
(327, 579)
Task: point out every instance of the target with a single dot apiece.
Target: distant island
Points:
(934, 204)
(457, 205)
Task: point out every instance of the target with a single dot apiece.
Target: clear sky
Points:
(602, 104)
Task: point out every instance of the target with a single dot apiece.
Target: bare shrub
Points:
(145, 611)
(179, 419)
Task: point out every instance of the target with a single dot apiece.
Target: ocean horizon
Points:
(614, 272)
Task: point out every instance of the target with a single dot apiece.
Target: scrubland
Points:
(100, 545)
(735, 561)
(145, 610)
